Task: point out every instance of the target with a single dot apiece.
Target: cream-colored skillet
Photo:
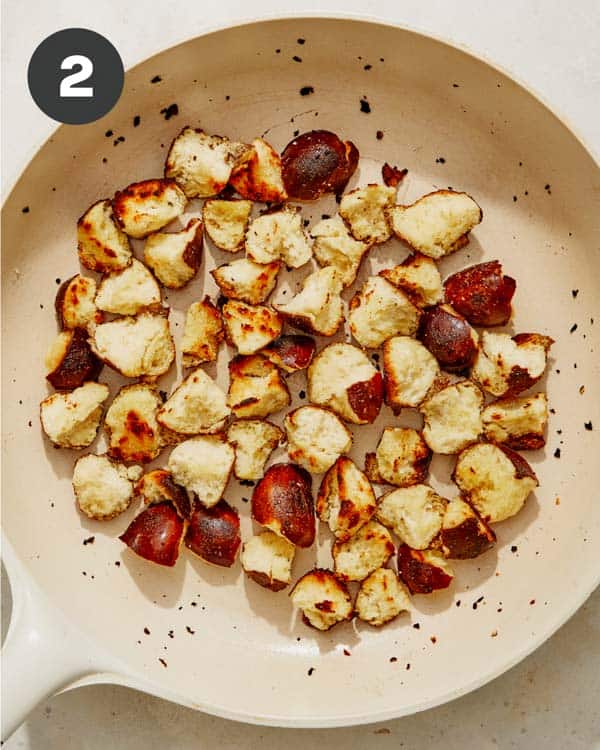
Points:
(207, 637)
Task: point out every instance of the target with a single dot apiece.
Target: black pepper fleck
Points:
(325, 216)
(514, 548)
(574, 292)
(57, 281)
(379, 135)
(295, 58)
(367, 67)
(189, 630)
(277, 51)
(25, 210)
(557, 453)
(136, 121)
(310, 671)
(162, 661)
(109, 134)
(146, 631)
(416, 626)
(170, 111)
(306, 90)
(440, 160)
(156, 79)
(407, 667)
(455, 86)
(365, 106)
(89, 540)
(393, 659)
(246, 483)
(296, 132)
(300, 41)
(458, 602)
(118, 563)
(302, 394)
(245, 500)
(375, 357)
(104, 160)
(588, 426)
(573, 328)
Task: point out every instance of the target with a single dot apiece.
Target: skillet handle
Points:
(42, 652)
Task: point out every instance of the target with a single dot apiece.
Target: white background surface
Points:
(552, 699)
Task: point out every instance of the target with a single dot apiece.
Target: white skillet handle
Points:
(42, 652)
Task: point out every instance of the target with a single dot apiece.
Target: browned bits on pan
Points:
(392, 176)
(317, 162)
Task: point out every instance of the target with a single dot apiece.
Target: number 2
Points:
(67, 85)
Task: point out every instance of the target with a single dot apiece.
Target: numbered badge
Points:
(75, 76)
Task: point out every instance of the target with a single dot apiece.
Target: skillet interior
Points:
(246, 658)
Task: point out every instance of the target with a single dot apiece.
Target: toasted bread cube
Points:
(381, 598)
(257, 176)
(250, 327)
(410, 371)
(343, 378)
(316, 438)
(267, 559)
(175, 257)
(129, 291)
(214, 533)
(202, 333)
(195, 407)
(201, 164)
(283, 502)
(482, 293)
(70, 361)
(449, 337)
(135, 347)
(419, 279)
(495, 480)
(101, 243)
(464, 535)
(226, 223)
(423, 571)
(335, 246)
(322, 598)
(364, 210)
(317, 162)
(438, 223)
(278, 236)
(246, 280)
(71, 420)
(507, 366)
(158, 487)
(156, 534)
(370, 548)
(256, 387)
(74, 303)
(519, 423)
(203, 465)
(452, 417)
(103, 488)
(131, 426)
(402, 458)
(291, 353)
(146, 207)
(318, 307)
(379, 311)
(346, 500)
(254, 440)
(414, 514)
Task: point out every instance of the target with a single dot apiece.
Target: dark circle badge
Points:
(75, 76)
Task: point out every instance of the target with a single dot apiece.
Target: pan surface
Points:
(217, 641)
